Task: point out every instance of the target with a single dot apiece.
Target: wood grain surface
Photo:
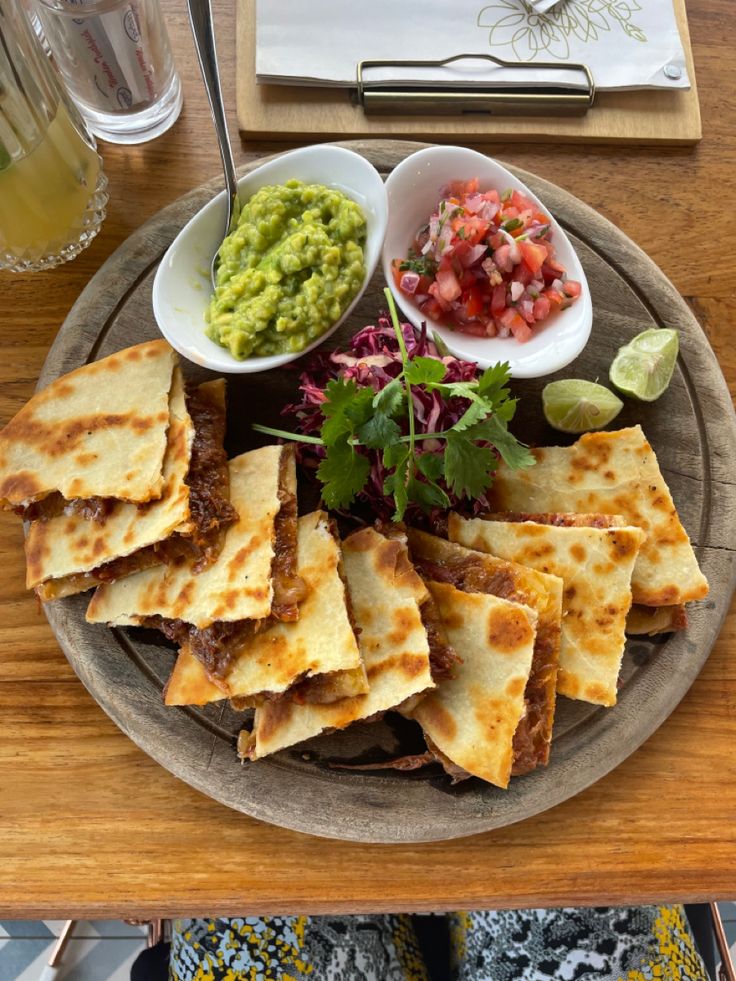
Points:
(301, 113)
(92, 826)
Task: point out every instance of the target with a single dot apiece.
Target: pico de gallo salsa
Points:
(485, 264)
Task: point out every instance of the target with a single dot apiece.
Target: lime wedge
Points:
(643, 367)
(575, 406)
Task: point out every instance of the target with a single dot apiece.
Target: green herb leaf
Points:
(346, 408)
(493, 430)
(442, 348)
(430, 464)
(395, 483)
(468, 468)
(424, 371)
(380, 431)
(390, 398)
(427, 494)
(423, 265)
(343, 473)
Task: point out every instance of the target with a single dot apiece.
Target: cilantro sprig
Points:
(362, 428)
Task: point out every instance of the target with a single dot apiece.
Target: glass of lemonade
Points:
(52, 188)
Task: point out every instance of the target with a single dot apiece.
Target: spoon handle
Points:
(200, 20)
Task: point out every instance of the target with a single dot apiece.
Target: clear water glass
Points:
(52, 187)
(116, 60)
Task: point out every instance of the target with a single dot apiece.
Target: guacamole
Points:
(288, 271)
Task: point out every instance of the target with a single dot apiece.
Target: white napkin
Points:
(626, 43)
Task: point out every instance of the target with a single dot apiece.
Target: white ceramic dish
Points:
(413, 194)
(182, 288)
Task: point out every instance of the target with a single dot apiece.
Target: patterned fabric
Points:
(636, 943)
(609, 944)
(296, 948)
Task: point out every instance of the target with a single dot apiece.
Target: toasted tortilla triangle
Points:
(474, 571)
(238, 586)
(62, 552)
(612, 473)
(99, 431)
(471, 719)
(275, 657)
(595, 565)
(387, 597)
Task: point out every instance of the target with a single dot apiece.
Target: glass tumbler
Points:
(52, 188)
(116, 60)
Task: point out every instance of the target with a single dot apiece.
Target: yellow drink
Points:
(49, 200)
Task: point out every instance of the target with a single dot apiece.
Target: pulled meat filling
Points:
(442, 656)
(91, 508)
(208, 481)
(214, 646)
(288, 588)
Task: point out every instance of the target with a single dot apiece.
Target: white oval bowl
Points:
(182, 287)
(413, 195)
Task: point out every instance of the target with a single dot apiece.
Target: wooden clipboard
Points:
(296, 113)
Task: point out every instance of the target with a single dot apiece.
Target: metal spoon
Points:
(200, 20)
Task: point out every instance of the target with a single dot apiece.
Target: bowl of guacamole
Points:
(305, 247)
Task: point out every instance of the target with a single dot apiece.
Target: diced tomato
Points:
(498, 300)
(541, 308)
(515, 322)
(502, 258)
(473, 302)
(476, 329)
(554, 298)
(572, 288)
(522, 273)
(460, 189)
(520, 202)
(470, 229)
(434, 291)
(533, 255)
(432, 310)
(447, 281)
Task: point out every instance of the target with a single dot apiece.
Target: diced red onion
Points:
(409, 282)
(474, 253)
(517, 291)
(474, 203)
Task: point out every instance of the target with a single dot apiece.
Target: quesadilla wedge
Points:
(252, 578)
(649, 620)
(388, 599)
(477, 572)
(97, 432)
(612, 473)
(277, 655)
(69, 553)
(471, 719)
(595, 565)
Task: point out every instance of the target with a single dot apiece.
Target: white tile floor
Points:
(100, 950)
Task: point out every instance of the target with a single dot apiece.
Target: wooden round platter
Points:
(692, 428)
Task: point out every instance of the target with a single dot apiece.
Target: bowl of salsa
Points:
(474, 254)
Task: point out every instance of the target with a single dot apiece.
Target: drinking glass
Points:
(52, 187)
(116, 60)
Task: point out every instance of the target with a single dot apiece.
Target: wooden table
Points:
(93, 827)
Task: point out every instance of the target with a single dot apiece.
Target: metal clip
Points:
(437, 98)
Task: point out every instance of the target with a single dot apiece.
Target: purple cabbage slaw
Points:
(373, 358)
